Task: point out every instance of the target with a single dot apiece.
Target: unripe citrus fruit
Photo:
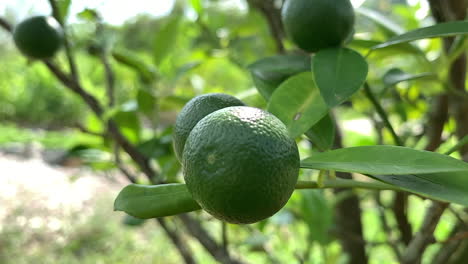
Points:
(194, 111)
(38, 37)
(240, 164)
(318, 24)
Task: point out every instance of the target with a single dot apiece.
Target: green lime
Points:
(318, 24)
(240, 164)
(194, 111)
(38, 37)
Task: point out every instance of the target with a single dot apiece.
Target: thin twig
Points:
(344, 183)
(438, 116)
(401, 199)
(66, 42)
(196, 230)
(386, 226)
(224, 234)
(118, 162)
(272, 15)
(381, 112)
(5, 25)
(110, 78)
(185, 251)
(87, 131)
(425, 235)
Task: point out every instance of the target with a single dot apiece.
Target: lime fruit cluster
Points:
(318, 24)
(38, 37)
(240, 164)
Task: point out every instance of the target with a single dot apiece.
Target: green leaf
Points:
(322, 134)
(395, 76)
(386, 160)
(147, 103)
(146, 73)
(297, 102)
(127, 119)
(448, 187)
(63, 7)
(439, 30)
(165, 39)
(132, 221)
(154, 148)
(269, 73)
(151, 201)
(89, 14)
(339, 73)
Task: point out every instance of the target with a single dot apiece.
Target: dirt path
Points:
(32, 183)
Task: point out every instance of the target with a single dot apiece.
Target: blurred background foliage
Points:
(160, 63)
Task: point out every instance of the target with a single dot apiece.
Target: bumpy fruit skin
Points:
(318, 24)
(38, 37)
(240, 165)
(194, 111)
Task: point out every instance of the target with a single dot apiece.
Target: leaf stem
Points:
(342, 183)
(381, 112)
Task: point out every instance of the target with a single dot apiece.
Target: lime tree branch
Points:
(343, 183)
(381, 112)
(5, 25)
(68, 50)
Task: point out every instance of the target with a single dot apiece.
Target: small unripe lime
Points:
(240, 164)
(318, 24)
(38, 37)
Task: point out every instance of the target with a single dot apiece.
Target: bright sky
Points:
(113, 11)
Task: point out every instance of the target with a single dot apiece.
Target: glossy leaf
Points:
(147, 103)
(89, 14)
(297, 102)
(126, 116)
(322, 134)
(165, 40)
(386, 160)
(338, 73)
(269, 73)
(151, 201)
(395, 76)
(146, 73)
(448, 187)
(439, 30)
(63, 7)
(132, 221)
(154, 148)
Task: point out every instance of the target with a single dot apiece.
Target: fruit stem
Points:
(342, 183)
